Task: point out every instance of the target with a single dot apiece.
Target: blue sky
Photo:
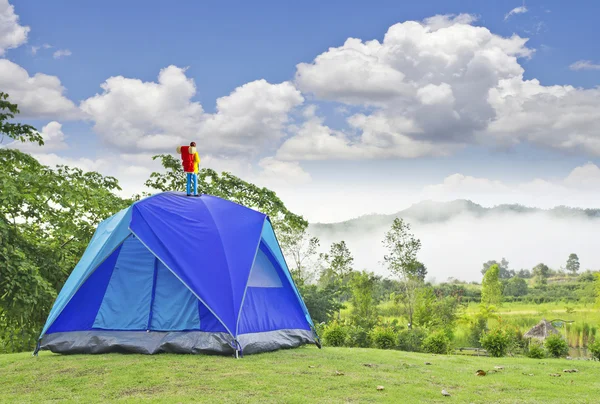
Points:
(225, 45)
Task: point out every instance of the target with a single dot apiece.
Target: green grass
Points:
(295, 376)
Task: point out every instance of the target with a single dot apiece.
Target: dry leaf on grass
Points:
(380, 388)
(445, 393)
(480, 373)
(570, 370)
(338, 373)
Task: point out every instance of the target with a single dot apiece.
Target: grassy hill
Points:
(296, 376)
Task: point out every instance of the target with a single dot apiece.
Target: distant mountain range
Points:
(428, 212)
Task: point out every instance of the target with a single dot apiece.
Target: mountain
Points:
(427, 212)
(458, 236)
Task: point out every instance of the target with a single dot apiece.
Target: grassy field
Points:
(295, 376)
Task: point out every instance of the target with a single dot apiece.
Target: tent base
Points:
(187, 342)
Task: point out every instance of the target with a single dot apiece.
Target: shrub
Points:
(476, 330)
(437, 343)
(536, 351)
(383, 337)
(335, 334)
(411, 340)
(595, 350)
(358, 337)
(496, 342)
(556, 346)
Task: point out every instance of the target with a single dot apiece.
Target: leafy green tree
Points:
(573, 264)
(597, 287)
(338, 264)
(491, 287)
(322, 303)
(15, 131)
(47, 217)
(364, 307)
(541, 273)
(435, 312)
(301, 250)
(515, 287)
(504, 272)
(401, 260)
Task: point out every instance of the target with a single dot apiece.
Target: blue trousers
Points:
(192, 177)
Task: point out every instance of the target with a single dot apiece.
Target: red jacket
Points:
(189, 158)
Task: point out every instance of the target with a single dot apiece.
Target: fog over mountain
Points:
(458, 236)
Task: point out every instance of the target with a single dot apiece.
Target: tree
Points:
(301, 249)
(338, 264)
(401, 261)
(597, 287)
(322, 303)
(541, 272)
(491, 287)
(504, 273)
(573, 264)
(15, 131)
(47, 217)
(436, 312)
(515, 287)
(364, 307)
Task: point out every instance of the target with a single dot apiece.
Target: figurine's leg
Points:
(189, 179)
(195, 179)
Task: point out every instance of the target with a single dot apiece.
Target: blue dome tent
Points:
(180, 274)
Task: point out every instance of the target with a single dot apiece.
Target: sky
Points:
(343, 108)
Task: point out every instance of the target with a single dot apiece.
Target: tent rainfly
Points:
(179, 274)
(541, 330)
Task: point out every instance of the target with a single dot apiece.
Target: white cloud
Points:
(12, 34)
(39, 96)
(276, 172)
(517, 10)
(135, 115)
(584, 65)
(54, 140)
(35, 49)
(61, 53)
(435, 86)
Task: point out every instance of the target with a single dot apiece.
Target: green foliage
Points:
(496, 341)
(536, 351)
(556, 346)
(401, 260)
(541, 273)
(364, 309)
(573, 264)
(335, 334)
(435, 313)
(477, 328)
(515, 287)
(503, 271)
(597, 287)
(358, 337)
(384, 337)
(15, 131)
(595, 350)
(411, 340)
(491, 287)
(437, 343)
(338, 264)
(322, 303)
